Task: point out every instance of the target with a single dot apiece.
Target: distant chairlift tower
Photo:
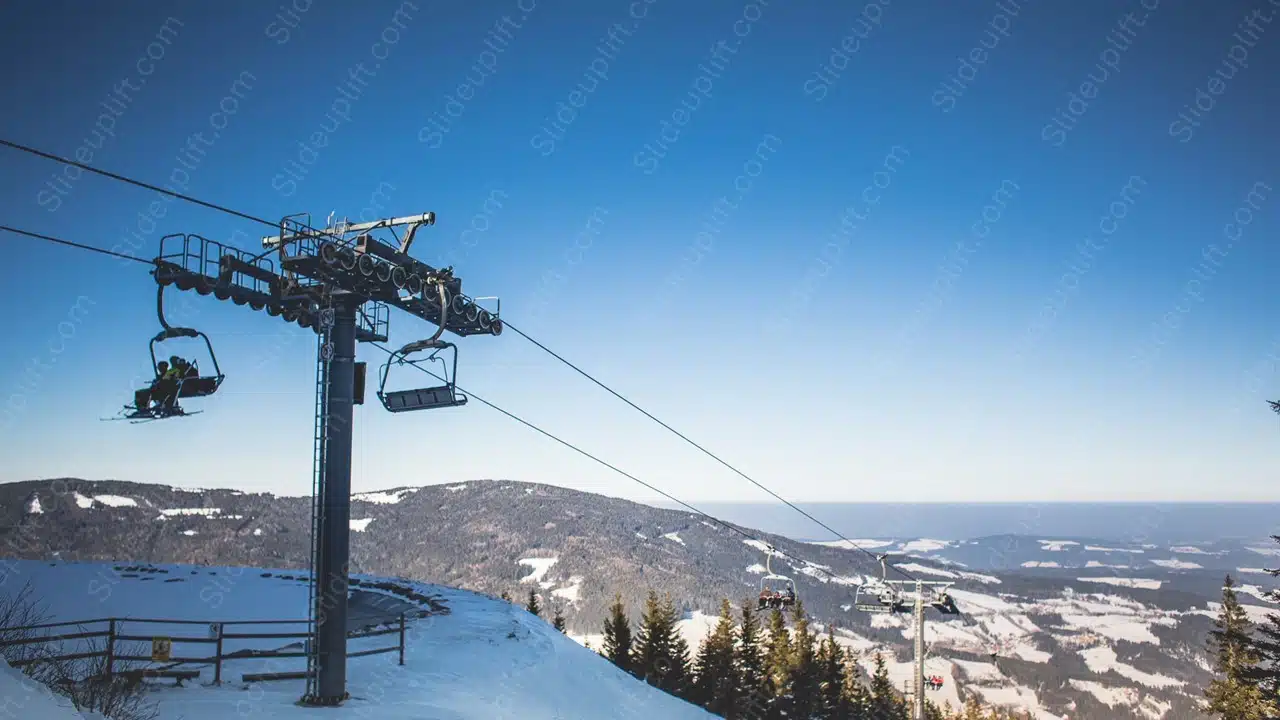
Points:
(340, 282)
(914, 596)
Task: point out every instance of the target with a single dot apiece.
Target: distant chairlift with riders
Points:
(776, 591)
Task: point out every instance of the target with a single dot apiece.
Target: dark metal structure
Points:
(340, 282)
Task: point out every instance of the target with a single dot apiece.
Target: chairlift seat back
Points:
(199, 386)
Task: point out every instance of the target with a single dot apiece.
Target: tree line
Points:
(1246, 683)
(755, 667)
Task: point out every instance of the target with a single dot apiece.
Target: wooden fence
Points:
(162, 645)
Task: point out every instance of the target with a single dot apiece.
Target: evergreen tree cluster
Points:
(1246, 683)
(749, 670)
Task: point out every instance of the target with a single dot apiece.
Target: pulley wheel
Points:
(329, 253)
(366, 265)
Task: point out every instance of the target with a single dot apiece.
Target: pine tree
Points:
(617, 635)
(533, 606)
(886, 703)
(715, 684)
(802, 677)
(557, 621)
(859, 696)
(833, 697)
(778, 652)
(661, 655)
(1266, 647)
(753, 688)
(1231, 695)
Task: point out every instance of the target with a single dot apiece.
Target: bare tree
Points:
(38, 652)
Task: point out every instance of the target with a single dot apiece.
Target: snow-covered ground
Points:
(27, 699)
(485, 659)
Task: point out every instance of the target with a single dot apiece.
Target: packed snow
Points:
(34, 508)
(1190, 550)
(1099, 548)
(116, 501)
(571, 591)
(1102, 658)
(1056, 545)
(484, 659)
(1274, 552)
(455, 488)
(206, 512)
(1016, 696)
(854, 544)
(26, 698)
(988, 579)
(1096, 564)
(1256, 571)
(1040, 564)
(926, 570)
(190, 533)
(924, 545)
(1106, 694)
(360, 525)
(1257, 613)
(1138, 583)
(540, 567)
(85, 502)
(1255, 591)
(384, 497)
(979, 671)
(1176, 564)
(673, 537)
(1113, 627)
(757, 569)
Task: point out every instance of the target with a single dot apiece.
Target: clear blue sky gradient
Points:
(847, 248)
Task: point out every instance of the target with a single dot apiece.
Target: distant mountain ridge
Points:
(1070, 640)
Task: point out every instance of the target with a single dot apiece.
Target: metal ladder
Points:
(324, 353)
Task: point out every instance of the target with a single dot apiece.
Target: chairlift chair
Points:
(428, 398)
(946, 604)
(781, 584)
(877, 596)
(199, 385)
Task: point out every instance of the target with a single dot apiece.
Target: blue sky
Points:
(859, 260)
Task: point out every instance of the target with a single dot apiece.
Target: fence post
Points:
(401, 638)
(217, 661)
(111, 646)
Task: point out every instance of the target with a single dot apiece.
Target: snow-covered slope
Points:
(22, 697)
(483, 659)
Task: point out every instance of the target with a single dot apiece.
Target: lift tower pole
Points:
(917, 705)
(333, 544)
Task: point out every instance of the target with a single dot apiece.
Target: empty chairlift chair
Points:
(424, 398)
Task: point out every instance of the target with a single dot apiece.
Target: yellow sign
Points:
(160, 648)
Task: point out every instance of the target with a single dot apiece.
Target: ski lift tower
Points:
(893, 597)
(352, 278)
(340, 282)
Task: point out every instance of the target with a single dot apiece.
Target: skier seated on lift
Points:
(789, 598)
(142, 397)
(765, 595)
(165, 390)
